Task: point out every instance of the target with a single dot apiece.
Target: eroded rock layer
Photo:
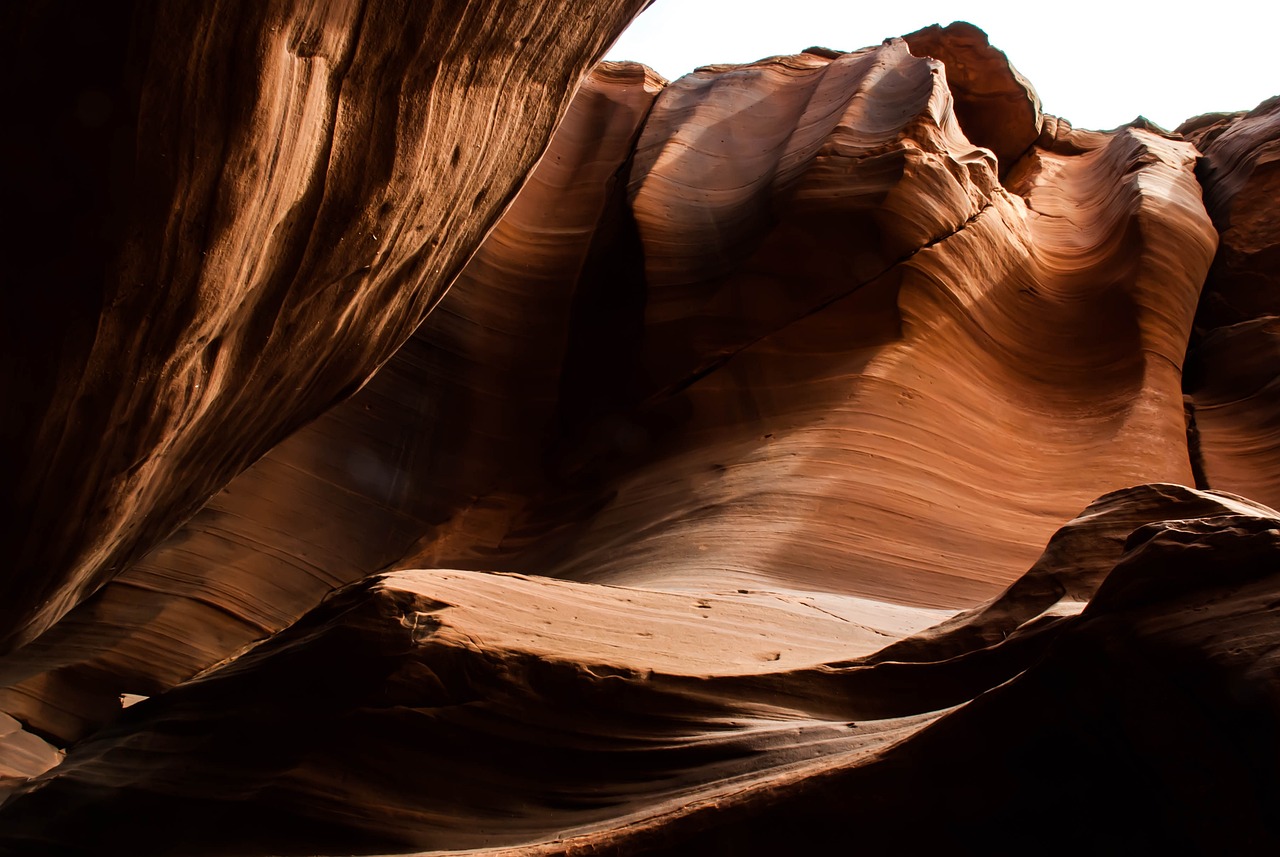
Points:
(707, 504)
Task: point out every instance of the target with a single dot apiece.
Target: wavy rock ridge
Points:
(714, 497)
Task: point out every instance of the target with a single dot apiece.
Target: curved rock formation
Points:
(1233, 375)
(1233, 386)
(459, 414)
(447, 710)
(305, 180)
(703, 513)
(1241, 174)
(856, 330)
(997, 106)
(895, 285)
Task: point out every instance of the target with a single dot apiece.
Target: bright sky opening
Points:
(1097, 64)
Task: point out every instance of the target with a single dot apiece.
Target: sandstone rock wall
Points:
(1233, 372)
(805, 453)
(296, 183)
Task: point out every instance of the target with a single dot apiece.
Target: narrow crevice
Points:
(1194, 452)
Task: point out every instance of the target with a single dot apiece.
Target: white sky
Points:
(1098, 64)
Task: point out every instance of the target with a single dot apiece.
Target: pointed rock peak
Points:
(825, 53)
(1144, 124)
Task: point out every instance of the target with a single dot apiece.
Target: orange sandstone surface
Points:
(831, 449)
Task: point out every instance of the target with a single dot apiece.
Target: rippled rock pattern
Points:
(729, 502)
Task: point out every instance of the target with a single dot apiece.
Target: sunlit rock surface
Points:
(997, 106)
(730, 500)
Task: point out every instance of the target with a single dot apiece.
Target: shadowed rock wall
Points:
(290, 187)
(1233, 371)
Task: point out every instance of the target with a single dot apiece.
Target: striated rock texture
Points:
(820, 311)
(295, 185)
(997, 106)
(730, 500)
(459, 414)
(428, 710)
(1241, 175)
